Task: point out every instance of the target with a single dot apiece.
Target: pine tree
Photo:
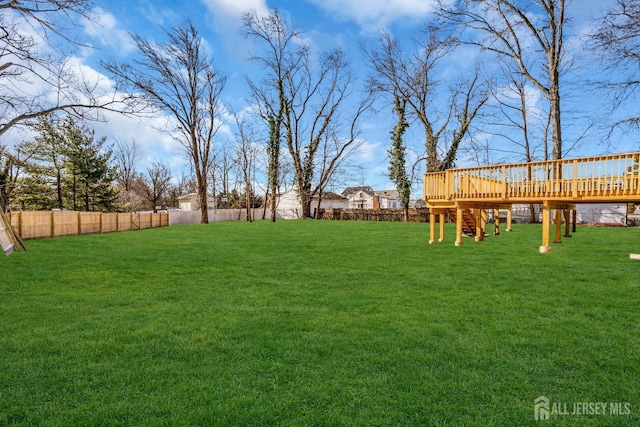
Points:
(90, 174)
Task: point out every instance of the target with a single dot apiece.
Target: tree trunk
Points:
(556, 138)
(532, 214)
(306, 204)
(204, 208)
(274, 205)
(59, 190)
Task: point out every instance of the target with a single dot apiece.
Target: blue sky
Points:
(326, 24)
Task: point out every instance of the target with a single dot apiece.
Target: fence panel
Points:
(109, 223)
(47, 224)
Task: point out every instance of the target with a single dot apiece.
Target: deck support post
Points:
(509, 217)
(574, 219)
(546, 217)
(459, 214)
(432, 228)
(442, 221)
(478, 213)
(567, 222)
(496, 222)
(558, 226)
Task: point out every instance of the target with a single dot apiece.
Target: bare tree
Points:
(306, 103)
(246, 154)
(126, 158)
(279, 60)
(445, 117)
(514, 103)
(157, 180)
(529, 33)
(37, 73)
(177, 78)
(618, 37)
(223, 173)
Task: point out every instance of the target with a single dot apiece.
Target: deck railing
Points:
(613, 177)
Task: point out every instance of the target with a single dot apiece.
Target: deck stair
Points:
(468, 221)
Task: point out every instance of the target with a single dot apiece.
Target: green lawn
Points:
(318, 323)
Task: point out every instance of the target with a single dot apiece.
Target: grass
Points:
(317, 323)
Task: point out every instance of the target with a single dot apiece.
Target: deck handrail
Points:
(609, 177)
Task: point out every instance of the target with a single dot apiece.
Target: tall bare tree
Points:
(412, 76)
(246, 153)
(280, 58)
(177, 78)
(126, 158)
(618, 37)
(307, 102)
(529, 33)
(38, 75)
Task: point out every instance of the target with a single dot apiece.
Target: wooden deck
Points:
(556, 185)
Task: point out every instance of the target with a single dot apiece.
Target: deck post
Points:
(567, 222)
(496, 222)
(509, 217)
(481, 219)
(442, 220)
(546, 217)
(574, 219)
(558, 226)
(432, 228)
(459, 214)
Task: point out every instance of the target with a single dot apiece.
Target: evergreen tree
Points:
(89, 173)
(47, 166)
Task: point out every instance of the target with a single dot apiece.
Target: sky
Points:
(326, 24)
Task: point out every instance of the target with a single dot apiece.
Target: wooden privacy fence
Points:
(46, 224)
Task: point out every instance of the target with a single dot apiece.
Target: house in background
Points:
(289, 206)
(189, 202)
(359, 197)
(417, 204)
(387, 199)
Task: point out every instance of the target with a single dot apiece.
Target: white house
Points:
(387, 199)
(289, 206)
(359, 197)
(189, 202)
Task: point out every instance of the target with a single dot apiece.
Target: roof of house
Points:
(329, 195)
(350, 190)
(191, 196)
(388, 194)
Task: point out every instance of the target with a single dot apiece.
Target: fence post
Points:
(53, 224)
(79, 224)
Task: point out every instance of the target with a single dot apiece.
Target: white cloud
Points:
(235, 8)
(373, 14)
(369, 151)
(103, 27)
